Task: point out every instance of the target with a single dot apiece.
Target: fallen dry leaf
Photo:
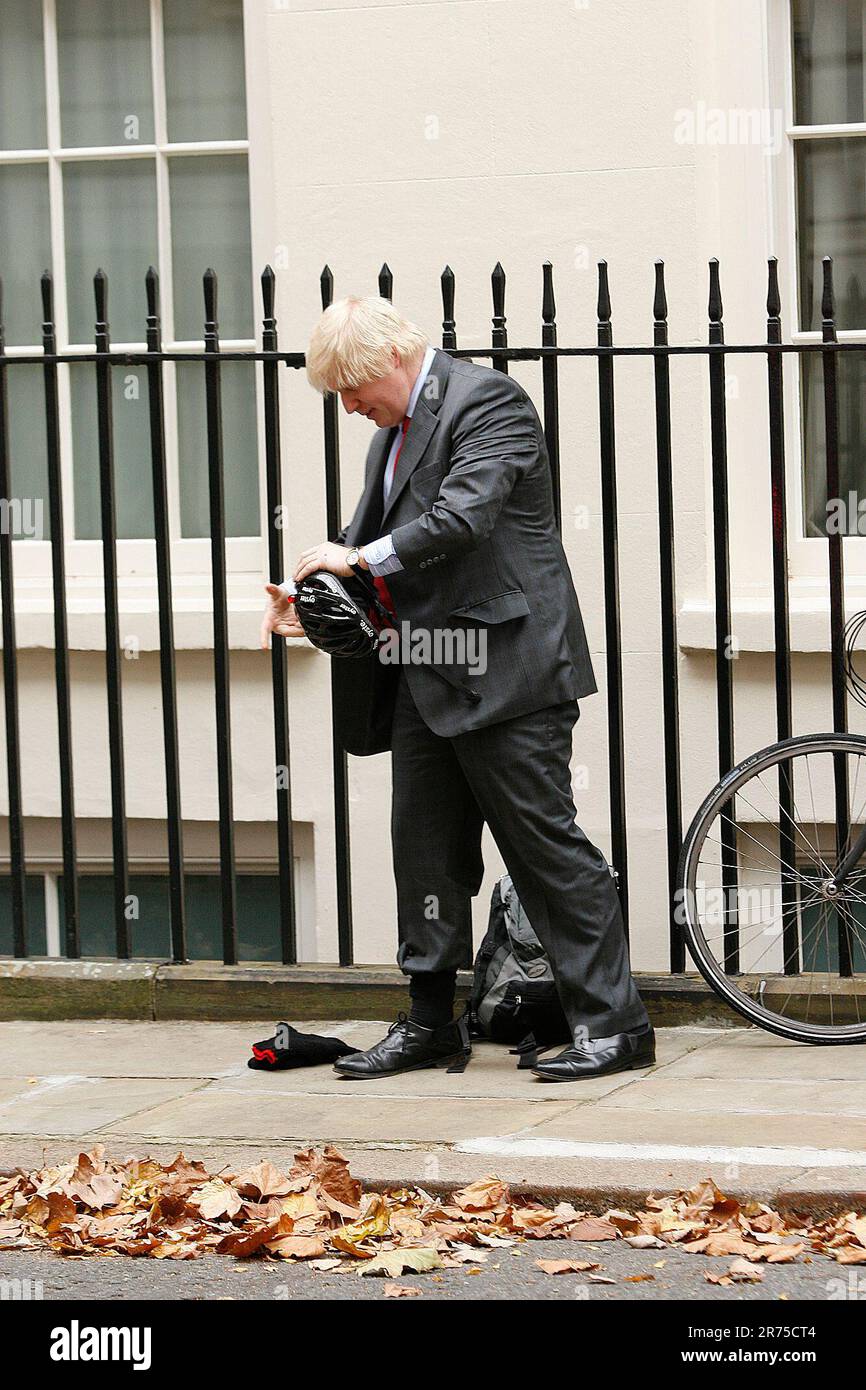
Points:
(564, 1266)
(593, 1228)
(216, 1200)
(394, 1262)
(263, 1181)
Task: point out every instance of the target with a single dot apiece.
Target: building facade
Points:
(236, 134)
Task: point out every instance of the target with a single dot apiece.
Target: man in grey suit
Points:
(456, 524)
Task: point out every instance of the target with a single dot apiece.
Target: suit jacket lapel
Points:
(425, 418)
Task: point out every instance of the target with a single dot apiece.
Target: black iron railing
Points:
(549, 354)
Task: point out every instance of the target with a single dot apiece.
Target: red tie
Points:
(393, 468)
(378, 580)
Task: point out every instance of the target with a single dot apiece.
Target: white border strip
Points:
(664, 1153)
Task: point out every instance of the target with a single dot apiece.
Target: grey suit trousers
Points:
(514, 776)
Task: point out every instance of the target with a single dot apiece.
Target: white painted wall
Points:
(466, 132)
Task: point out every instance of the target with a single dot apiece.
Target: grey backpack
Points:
(514, 997)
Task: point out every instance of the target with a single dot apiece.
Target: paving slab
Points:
(110, 1047)
(212, 1113)
(749, 1054)
(78, 1104)
(659, 1091)
(725, 1129)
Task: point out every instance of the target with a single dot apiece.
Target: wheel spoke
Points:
(779, 916)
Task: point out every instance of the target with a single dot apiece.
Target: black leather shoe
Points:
(408, 1046)
(589, 1057)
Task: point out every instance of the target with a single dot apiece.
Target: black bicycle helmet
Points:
(331, 618)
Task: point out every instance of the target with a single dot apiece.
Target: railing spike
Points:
(100, 295)
(497, 280)
(660, 298)
(828, 304)
(604, 310)
(449, 325)
(714, 304)
(548, 299)
(46, 286)
(151, 289)
(269, 282)
(326, 285)
(774, 300)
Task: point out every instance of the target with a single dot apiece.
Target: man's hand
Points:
(279, 617)
(327, 556)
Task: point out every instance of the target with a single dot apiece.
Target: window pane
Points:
(25, 249)
(210, 227)
(34, 906)
(22, 76)
(851, 379)
(829, 61)
(133, 490)
(27, 450)
(103, 55)
(257, 916)
(110, 210)
(831, 187)
(204, 69)
(820, 941)
(240, 463)
(148, 930)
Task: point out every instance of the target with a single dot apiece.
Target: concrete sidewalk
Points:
(765, 1117)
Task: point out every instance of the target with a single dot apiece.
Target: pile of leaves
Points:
(318, 1212)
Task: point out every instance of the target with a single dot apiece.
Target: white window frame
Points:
(807, 555)
(136, 557)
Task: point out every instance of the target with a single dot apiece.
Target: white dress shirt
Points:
(379, 554)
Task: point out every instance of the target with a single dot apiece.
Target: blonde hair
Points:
(352, 341)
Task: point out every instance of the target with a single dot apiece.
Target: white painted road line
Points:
(768, 1157)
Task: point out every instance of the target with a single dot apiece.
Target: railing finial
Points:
(714, 303)
(774, 299)
(209, 281)
(828, 298)
(603, 306)
(326, 286)
(548, 299)
(449, 324)
(269, 284)
(151, 289)
(660, 298)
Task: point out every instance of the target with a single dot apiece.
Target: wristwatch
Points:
(353, 560)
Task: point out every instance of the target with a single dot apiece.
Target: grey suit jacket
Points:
(471, 515)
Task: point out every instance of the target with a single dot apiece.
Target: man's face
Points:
(384, 400)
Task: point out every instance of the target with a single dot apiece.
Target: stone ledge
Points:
(46, 989)
(204, 990)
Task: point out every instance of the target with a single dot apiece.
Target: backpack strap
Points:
(463, 1028)
(527, 1051)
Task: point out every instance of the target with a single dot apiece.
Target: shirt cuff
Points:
(380, 556)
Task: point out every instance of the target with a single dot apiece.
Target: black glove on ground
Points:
(289, 1048)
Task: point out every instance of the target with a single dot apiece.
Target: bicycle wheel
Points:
(764, 923)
